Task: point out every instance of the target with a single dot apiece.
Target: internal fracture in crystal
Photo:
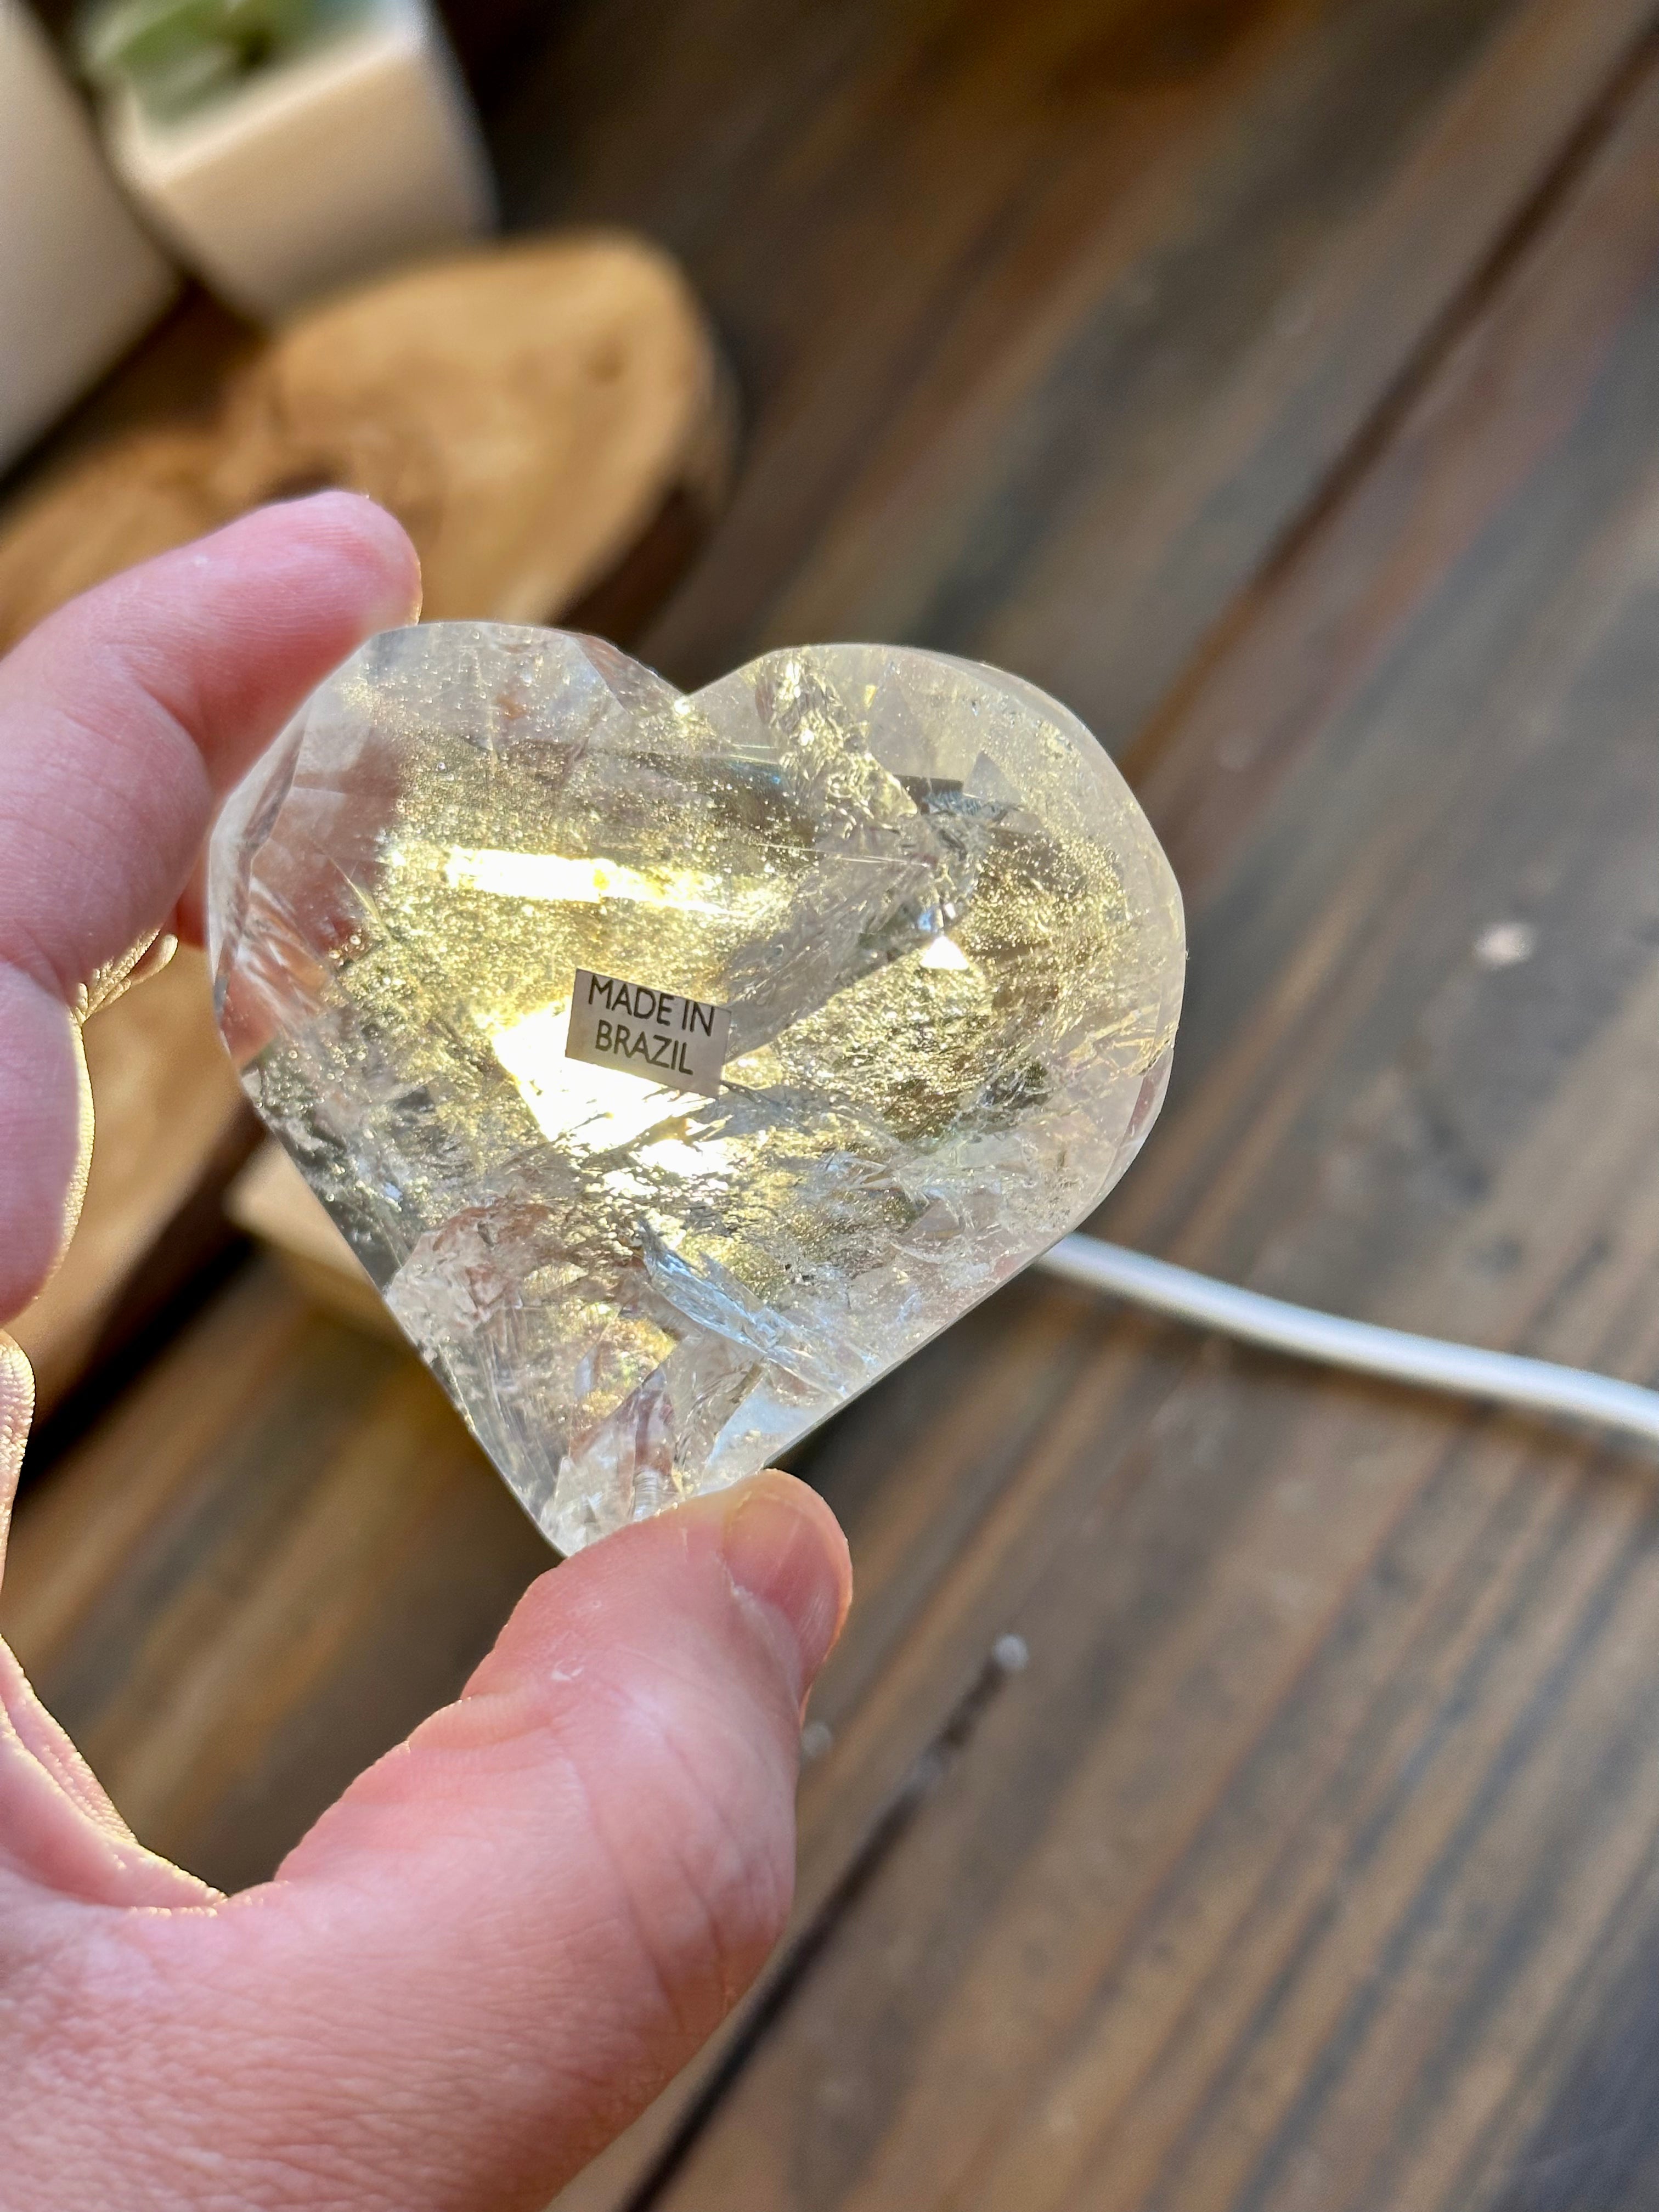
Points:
(951, 948)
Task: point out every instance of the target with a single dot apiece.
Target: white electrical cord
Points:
(1431, 1361)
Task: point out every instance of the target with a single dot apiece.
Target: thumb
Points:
(510, 1933)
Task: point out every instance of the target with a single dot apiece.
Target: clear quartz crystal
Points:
(951, 947)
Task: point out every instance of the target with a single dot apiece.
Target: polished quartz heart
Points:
(676, 1065)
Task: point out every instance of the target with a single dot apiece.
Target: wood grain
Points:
(279, 1553)
(1051, 318)
(1279, 382)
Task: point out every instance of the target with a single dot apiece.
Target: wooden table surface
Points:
(1238, 1787)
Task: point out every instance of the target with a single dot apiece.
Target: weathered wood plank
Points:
(275, 1557)
(1277, 1878)
(918, 1518)
(1052, 318)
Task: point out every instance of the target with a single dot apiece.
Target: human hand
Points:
(511, 1931)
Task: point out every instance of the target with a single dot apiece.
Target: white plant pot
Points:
(360, 153)
(79, 280)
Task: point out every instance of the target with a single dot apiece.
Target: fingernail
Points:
(783, 1549)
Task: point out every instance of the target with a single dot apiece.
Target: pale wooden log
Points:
(530, 414)
(527, 414)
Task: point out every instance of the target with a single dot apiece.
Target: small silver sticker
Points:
(658, 1035)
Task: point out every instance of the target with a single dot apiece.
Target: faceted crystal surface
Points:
(951, 952)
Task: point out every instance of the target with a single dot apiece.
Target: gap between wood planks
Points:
(898, 1813)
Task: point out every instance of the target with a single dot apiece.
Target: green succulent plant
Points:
(177, 54)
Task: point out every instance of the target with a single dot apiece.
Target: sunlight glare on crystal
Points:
(557, 878)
